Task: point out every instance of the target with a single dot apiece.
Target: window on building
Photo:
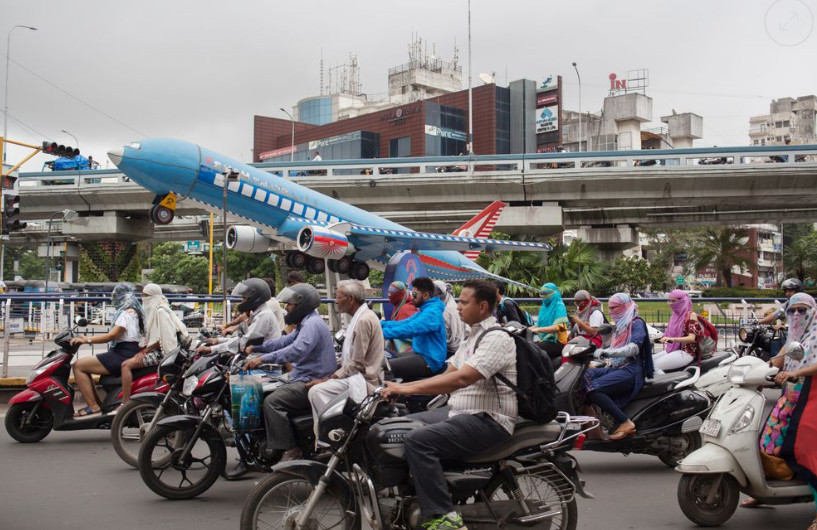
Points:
(503, 120)
(787, 123)
(603, 142)
(778, 124)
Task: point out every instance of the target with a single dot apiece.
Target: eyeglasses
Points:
(793, 310)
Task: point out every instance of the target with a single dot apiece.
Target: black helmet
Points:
(304, 297)
(254, 293)
(792, 284)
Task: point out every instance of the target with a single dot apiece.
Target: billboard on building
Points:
(547, 119)
(548, 113)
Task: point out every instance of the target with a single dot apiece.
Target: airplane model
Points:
(350, 239)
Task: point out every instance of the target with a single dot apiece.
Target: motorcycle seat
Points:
(661, 384)
(712, 362)
(302, 422)
(525, 434)
(110, 380)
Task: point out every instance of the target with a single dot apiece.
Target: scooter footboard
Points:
(712, 459)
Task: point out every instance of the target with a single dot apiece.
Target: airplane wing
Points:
(372, 242)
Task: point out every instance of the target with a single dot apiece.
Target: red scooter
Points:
(48, 402)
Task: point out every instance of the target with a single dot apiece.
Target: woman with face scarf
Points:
(163, 329)
(682, 336)
(588, 318)
(630, 353)
(552, 322)
(791, 429)
(123, 337)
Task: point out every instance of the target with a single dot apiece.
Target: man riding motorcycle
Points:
(790, 287)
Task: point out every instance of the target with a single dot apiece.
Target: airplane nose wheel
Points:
(161, 215)
(360, 271)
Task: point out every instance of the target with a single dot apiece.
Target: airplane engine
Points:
(321, 242)
(245, 238)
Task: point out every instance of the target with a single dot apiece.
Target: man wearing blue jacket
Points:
(426, 329)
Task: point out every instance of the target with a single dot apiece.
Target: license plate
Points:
(710, 427)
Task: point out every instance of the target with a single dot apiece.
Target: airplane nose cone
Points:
(116, 155)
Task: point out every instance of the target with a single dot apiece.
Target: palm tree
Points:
(722, 248)
(801, 256)
(523, 267)
(575, 266)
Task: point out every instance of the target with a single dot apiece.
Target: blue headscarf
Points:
(123, 297)
(553, 310)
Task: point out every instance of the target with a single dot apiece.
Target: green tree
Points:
(801, 256)
(663, 245)
(30, 267)
(575, 266)
(243, 265)
(723, 248)
(634, 275)
(172, 266)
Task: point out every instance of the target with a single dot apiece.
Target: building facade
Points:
(787, 117)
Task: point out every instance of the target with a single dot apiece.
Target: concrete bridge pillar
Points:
(684, 128)
(610, 241)
(627, 112)
(545, 219)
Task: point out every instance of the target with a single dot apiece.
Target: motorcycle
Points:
(48, 401)
(528, 481)
(183, 455)
(138, 416)
(667, 411)
(756, 340)
(729, 461)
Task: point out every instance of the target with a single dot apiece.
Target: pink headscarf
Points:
(623, 310)
(680, 309)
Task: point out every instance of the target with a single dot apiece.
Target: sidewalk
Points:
(24, 355)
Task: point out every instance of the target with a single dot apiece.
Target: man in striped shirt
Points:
(481, 413)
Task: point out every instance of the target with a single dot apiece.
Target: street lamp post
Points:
(470, 95)
(580, 104)
(67, 216)
(6, 101)
(292, 142)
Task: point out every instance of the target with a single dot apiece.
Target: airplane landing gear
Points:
(297, 260)
(316, 265)
(164, 209)
(161, 215)
(360, 271)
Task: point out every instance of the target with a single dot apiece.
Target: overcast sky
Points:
(113, 71)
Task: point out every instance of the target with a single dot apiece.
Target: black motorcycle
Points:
(667, 411)
(756, 340)
(529, 481)
(185, 454)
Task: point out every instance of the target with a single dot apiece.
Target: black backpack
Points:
(535, 386)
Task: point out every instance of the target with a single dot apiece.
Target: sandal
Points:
(813, 525)
(620, 434)
(87, 411)
(750, 502)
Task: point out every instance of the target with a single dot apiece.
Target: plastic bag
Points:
(246, 395)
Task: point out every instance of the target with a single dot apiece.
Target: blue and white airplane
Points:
(278, 209)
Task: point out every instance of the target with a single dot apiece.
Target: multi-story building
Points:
(788, 117)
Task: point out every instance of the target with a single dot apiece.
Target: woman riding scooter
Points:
(630, 350)
(790, 429)
(683, 336)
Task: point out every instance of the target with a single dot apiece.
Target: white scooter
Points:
(729, 462)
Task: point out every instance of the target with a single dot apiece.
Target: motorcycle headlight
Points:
(190, 385)
(737, 374)
(743, 335)
(744, 420)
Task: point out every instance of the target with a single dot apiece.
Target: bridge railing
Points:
(536, 164)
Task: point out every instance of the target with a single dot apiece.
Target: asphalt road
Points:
(75, 480)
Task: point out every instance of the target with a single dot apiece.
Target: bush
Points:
(744, 292)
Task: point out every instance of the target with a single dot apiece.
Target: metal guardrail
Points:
(584, 163)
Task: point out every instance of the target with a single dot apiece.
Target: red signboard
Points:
(545, 99)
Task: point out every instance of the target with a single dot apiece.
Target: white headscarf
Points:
(802, 329)
(161, 323)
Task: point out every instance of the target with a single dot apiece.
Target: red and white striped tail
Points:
(481, 225)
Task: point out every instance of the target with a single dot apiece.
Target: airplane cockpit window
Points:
(134, 145)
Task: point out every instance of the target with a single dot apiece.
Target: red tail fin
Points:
(481, 225)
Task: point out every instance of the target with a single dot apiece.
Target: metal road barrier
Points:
(37, 316)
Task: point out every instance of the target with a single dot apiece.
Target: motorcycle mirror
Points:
(795, 351)
(80, 322)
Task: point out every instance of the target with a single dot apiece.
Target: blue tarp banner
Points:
(66, 164)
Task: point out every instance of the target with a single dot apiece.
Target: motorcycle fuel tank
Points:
(385, 446)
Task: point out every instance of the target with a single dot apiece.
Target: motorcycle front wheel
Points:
(701, 505)
(26, 425)
(277, 501)
(542, 493)
(174, 474)
(129, 429)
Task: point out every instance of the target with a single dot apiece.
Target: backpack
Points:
(535, 386)
(709, 343)
(528, 319)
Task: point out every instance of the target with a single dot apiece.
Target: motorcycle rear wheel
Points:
(38, 428)
(541, 489)
(128, 429)
(278, 499)
(164, 470)
(693, 493)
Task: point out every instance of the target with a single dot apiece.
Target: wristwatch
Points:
(88, 340)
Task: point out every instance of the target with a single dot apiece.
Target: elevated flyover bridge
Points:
(603, 192)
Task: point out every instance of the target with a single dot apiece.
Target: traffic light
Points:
(55, 149)
(204, 228)
(11, 206)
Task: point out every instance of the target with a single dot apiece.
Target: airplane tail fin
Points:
(481, 225)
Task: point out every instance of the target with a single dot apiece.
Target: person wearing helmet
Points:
(310, 350)
(261, 322)
(790, 286)
(455, 328)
